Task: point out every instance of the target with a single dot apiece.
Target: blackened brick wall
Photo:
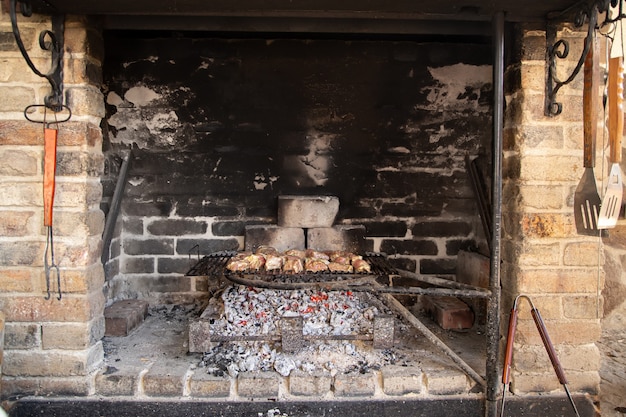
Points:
(220, 127)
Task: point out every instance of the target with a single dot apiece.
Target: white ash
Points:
(274, 412)
(253, 312)
(334, 357)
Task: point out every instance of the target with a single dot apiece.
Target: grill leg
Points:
(291, 333)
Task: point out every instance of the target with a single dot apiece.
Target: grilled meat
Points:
(292, 264)
(340, 267)
(361, 265)
(315, 265)
(273, 262)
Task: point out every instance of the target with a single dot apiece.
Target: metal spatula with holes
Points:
(612, 201)
(586, 198)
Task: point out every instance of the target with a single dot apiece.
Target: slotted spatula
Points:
(612, 201)
(586, 198)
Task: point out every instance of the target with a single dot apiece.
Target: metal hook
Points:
(49, 40)
(48, 267)
(44, 121)
(196, 246)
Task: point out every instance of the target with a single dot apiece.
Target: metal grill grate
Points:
(215, 264)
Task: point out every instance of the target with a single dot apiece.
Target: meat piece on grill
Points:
(256, 262)
(296, 252)
(334, 254)
(340, 267)
(353, 257)
(267, 250)
(237, 265)
(361, 265)
(343, 260)
(292, 264)
(310, 253)
(315, 265)
(273, 262)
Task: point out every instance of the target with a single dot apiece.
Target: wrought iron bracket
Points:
(49, 40)
(559, 49)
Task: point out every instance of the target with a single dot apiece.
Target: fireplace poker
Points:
(547, 343)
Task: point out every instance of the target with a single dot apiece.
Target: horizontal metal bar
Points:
(446, 283)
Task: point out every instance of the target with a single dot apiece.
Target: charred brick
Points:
(233, 228)
(403, 263)
(281, 238)
(437, 266)
(426, 207)
(348, 237)
(163, 283)
(177, 227)
(454, 246)
(385, 229)
(205, 246)
(408, 247)
(174, 265)
(356, 212)
(131, 207)
(197, 207)
(133, 225)
(441, 229)
(149, 247)
(261, 211)
(225, 228)
(138, 265)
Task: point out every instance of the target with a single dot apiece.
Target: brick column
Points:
(543, 256)
(51, 346)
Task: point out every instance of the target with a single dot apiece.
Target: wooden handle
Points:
(508, 355)
(616, 110)
(545, 338)
(49, 171)
(590, 104)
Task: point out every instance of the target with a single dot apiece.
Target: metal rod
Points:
(361, 284)
(408, 316)
(277, 338)
(493, 305)
(111, 219)
(441, 282)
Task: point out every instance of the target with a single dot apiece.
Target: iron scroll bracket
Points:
(49, 40)
(584, 11)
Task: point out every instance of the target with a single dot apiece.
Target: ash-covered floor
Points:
(163, 337)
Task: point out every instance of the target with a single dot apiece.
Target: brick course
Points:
(52, 346)
(544, 257)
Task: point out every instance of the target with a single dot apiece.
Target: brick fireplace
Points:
(215, 128)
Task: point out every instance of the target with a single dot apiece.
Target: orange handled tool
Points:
(49, 172)
(547, 343)
(508, 354)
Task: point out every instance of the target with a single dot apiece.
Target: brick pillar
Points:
(543, 256)
(51, 346)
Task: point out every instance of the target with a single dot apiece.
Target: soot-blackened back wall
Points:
(220, 127)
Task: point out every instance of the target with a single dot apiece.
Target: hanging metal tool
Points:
(547, 343)
(50, 138)
(586, 197)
